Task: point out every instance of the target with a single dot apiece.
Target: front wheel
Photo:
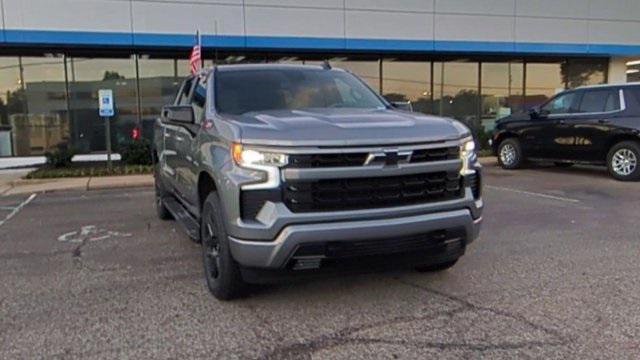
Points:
(510, 154)
(623, 161)
(222, 273)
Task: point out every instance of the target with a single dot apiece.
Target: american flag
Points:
(195, 59)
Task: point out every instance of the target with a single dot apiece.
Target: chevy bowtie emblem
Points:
(389, 158)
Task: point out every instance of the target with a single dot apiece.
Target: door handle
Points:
(561, 122)
(603, 121)
(179, 138)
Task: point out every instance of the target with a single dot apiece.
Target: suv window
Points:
(600, 100)
(561, 104)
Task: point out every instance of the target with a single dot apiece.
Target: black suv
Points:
(589, 125)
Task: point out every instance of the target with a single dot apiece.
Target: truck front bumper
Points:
(444, 228)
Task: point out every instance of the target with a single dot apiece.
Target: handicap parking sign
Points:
(105, 102)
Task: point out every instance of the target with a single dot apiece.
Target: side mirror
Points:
(537, 113)
(402, 105)
(179, 114)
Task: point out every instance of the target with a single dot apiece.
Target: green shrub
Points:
(61, 157)
(137, 152)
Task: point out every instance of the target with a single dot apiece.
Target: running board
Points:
(190, 225)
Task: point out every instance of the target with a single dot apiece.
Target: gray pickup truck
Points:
(286, 170)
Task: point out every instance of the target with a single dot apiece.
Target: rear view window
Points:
(601, 100)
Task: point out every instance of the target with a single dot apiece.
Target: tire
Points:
(510, 154)
(222, 272)
(161, 194)
(623, 161)
(563, 164)
(436, 267)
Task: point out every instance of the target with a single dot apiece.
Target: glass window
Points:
(12, 102)
(408, 81)
(599, 101)
(158, 87)
(32, 106)
(367, 70)
(633, 70)
(582, 72)
(86, 77)
(45, 124)
(561, 104)
(239, 92)
(502, 88)
(543, 81)
(456, 90)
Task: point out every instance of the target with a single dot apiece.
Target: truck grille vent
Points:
(475, 185)
(363, 193)
(358, 159)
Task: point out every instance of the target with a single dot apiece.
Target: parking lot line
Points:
(529, 193)
(17, 209)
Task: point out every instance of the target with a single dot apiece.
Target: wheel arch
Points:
(500, 138)
(206, 185)
(618, 138)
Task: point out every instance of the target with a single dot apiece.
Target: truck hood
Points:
(343, 127)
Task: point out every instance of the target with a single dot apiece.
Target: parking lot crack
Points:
(349, 335)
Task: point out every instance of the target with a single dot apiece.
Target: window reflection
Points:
(86, 77)
(582, 72)
(408, 81)
(502, 87)
(32, 106)
(11, 101)
(456, 91)
(543, 81)
(159, 84)
(367, 70)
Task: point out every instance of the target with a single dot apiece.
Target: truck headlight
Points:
(254, 159)
(467, 155)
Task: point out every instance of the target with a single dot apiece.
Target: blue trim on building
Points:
(49, 37)
(475, 46)
(67, 37)
(290, 42)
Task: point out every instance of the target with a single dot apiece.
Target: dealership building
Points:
(474, 60)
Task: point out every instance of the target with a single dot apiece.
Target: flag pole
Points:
(200, 45)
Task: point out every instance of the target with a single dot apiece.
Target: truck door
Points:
(168, 157)
(554, 141)
(591, 125)
(186, 147)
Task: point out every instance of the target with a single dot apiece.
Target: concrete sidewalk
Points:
(11, 183)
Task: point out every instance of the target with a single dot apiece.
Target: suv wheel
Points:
(222, 273)
(436, 267)
(161, 208)
(624, 161)
(510, 154)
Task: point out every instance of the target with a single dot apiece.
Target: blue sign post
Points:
(106, 110)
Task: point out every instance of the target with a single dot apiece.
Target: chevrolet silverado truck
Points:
(285, 170)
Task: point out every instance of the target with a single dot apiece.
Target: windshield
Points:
(239, 92)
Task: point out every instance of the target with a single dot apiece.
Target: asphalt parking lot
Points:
(555, 274)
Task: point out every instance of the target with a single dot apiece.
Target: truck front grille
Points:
(364, 193)
(306, 161)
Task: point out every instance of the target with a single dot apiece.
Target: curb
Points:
(77, 184)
